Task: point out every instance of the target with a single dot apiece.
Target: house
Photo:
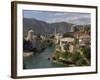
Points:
(84, 40)
(42, 37)
(78, 34)
(66, 44)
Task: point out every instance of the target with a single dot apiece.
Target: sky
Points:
(52, 16)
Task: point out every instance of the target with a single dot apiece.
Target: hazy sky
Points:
(52, 17)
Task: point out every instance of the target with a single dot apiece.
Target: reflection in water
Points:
(40, 60)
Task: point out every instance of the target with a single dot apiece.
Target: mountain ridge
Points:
(42, 27)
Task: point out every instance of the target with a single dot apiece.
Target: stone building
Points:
(66, 44)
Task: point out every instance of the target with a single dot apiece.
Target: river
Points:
(40, 60)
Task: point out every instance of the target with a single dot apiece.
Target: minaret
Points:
(83, 26)
(72, 28)
(55, 32)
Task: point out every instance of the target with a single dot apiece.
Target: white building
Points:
(30, 36)
(58, 36)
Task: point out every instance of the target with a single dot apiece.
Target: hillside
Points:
(41, 27)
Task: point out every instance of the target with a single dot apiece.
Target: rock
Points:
(28, 54)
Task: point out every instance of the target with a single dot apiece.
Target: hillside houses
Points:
(73, 39)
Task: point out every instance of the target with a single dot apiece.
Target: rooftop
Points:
(68, 39)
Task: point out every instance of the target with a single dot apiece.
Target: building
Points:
(58, 36)
(84, 40)
(67, 44)
(29, 41)
(78, 34)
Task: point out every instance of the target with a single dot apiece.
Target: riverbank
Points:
(28, 54)
(65, 63)
(80, 57)
(41, 60)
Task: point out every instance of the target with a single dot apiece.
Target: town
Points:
(70, 49)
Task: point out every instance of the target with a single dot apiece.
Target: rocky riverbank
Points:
(28, 54)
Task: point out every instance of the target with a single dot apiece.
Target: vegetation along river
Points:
(40, 60)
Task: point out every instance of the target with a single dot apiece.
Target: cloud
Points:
(76, 18)
(52, 16)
